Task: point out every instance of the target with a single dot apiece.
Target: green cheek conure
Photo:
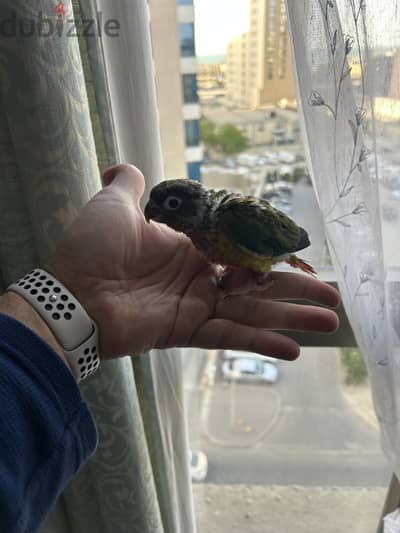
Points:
(238, 232)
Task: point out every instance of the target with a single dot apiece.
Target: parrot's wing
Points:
(258, 227)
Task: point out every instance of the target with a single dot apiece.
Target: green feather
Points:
(257, 226)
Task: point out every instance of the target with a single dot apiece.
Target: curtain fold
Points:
(49, 171)
(347, 58)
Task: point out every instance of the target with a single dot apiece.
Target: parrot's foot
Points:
(296, 262)
(236, 281)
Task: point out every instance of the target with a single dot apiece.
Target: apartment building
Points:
(237, 71)
(259, 64)
(172, 30)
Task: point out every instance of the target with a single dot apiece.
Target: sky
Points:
(217, 22)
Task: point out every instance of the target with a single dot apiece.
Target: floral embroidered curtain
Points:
(347, 65)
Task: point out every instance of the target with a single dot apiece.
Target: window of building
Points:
(186, 36)
(194, 170)
(189, 84)
(192, 132)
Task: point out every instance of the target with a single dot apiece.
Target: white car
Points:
(286, 157)
(272, 158)
(251, 369)
(198, 465)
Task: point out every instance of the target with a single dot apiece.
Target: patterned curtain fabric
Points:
(49, 170)
(347, 63)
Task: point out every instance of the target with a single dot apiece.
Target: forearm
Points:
(47, 430)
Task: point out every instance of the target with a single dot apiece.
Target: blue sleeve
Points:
(46, 429)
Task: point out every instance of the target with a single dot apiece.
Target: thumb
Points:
(127, 178)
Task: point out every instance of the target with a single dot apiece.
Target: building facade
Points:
(237, 65)
(172, 30)
(259, 63)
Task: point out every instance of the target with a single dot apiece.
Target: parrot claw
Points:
(235, 281)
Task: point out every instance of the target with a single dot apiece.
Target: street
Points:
(307, 214)
(299, 431)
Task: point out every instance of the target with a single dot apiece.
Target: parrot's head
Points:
(181, 204)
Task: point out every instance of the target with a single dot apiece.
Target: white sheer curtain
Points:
(347, 64)
(130, 82)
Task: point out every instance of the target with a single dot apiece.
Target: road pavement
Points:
(298, 431)
(307, 214)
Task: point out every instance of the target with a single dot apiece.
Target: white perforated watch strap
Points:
(71, 325)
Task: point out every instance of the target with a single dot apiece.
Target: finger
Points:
(228, 335)
(268, 314)
(288, 285)
(127, 178)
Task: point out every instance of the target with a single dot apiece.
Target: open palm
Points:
(146, 286)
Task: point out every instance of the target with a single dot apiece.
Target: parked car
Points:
(271, 158)
(229, 162)
(249, 369)
(249, 160)
(287, 157)
(279, 187)
(198, 463)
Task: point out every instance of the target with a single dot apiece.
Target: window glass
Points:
(194, 170)
(186, 35)
(192, 132)
(189, 82)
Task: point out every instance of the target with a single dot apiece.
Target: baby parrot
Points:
(235, 231)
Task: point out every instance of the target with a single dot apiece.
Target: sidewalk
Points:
(280, 509)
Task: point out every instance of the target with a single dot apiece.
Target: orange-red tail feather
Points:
(296, 262)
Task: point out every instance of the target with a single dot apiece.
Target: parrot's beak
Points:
(148, 211)
(152, 211)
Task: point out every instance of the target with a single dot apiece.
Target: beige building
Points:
(259, 65)
(236, 72)
(175, 65)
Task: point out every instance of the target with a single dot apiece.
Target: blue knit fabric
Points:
(46, 429)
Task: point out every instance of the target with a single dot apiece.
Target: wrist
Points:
(74, 329)
(14, 305)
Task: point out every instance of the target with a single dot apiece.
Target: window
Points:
(189, 82)
(193, 170)
(192, 132)
(277, 443)
(186, 35)
(185, 2)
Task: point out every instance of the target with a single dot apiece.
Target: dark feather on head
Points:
(180, 204)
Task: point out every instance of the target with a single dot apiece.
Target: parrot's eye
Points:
(172, 203)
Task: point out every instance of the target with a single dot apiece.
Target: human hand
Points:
(146, 286)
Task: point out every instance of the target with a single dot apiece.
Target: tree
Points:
(354, 366)
(231, 140)
(228, 138)
(208, 133)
